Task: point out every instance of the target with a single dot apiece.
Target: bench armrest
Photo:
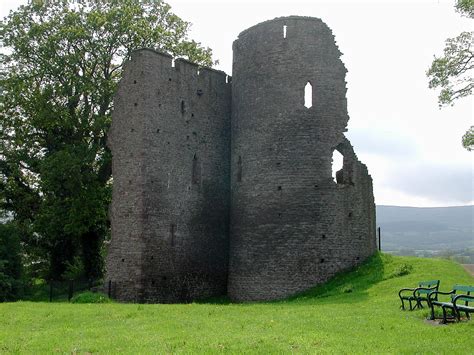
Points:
(462, 297)
(404, 290)
(434, 294)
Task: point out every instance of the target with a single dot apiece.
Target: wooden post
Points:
(380, 245)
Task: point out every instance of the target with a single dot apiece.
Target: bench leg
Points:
(456, 314)
(432, 317)
(411, 308)
(444, 321)
(403, 304)
(419, 304)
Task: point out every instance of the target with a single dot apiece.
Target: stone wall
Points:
(199, 160)
(170, 209)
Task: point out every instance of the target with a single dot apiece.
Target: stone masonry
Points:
(224, 186)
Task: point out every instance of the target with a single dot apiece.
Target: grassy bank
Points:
(357, 312)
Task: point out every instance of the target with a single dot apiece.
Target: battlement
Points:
(184, 66)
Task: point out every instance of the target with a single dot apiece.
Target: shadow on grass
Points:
(354, 283)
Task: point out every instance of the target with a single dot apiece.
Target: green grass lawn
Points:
(357, 312)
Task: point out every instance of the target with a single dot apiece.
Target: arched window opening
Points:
(308, 95)
(337, 163)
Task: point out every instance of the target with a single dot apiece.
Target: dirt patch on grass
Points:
(469, 268)
(434, 323)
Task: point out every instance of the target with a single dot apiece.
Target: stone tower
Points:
(170, 144)
(292, 225)
(224, 186)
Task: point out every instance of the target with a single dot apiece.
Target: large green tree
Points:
(453, 72)
(59, 68)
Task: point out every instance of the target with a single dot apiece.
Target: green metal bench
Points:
(460, 298)
(418, 294)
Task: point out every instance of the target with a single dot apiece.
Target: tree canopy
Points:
(452, 72)
(60, 64)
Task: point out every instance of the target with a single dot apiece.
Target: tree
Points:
(10, 263)
(59, 68)
(453, 71)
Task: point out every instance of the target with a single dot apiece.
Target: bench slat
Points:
(429, 283)
(463, 288)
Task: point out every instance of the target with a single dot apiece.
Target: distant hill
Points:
(426, 228)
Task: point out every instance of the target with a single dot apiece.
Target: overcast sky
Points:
(412, 149)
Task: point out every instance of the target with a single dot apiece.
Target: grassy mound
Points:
(356, 312)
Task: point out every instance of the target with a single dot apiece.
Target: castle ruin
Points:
(223, 185)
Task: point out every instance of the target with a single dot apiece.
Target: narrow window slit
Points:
(284, 30)
(308, 95)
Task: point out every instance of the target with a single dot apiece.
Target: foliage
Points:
(74, 269)
(323, 320)
(10, 263)
(465, 7)
(452, 72)
(468, 139)
(90, 297)
(59, 68)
